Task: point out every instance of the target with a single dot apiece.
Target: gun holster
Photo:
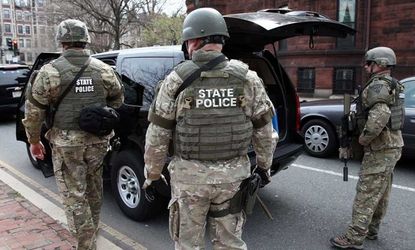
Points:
(245, 198)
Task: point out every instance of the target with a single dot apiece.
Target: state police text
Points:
(216, 98)
(84, 85)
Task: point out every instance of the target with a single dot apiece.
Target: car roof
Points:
(153, 51)
(408, 79)
(14, 66)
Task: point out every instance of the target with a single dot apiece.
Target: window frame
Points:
(349, 41)
(306, 85)
(344, 82)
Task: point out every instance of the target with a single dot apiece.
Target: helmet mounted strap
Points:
(217, 39)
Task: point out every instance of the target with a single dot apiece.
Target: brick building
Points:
(25, 22)
(335, 66)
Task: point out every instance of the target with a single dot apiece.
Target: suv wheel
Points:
(127, 178)
(319, 138)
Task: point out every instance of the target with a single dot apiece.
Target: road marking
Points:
(55, 211)
(350, 176)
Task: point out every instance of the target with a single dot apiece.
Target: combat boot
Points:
(344, 243)
(372, 236)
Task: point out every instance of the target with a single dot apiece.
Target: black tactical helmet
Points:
(204, 22)
(382, 56)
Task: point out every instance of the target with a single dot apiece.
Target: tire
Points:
(127, 178)
(319, 138)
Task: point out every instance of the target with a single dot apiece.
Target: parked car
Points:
(320, 122)
(12, 80)
(141, 68)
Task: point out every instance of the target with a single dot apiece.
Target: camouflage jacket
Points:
(207, 172)
(46, 89)
(376, 135)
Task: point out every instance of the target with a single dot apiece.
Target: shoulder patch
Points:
(376, 88)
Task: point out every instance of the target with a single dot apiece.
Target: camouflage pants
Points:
(78, 173)
(188, 218)
(372, 193)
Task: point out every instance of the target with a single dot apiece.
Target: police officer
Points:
(381, 102)
(76, 155)
(213, 121)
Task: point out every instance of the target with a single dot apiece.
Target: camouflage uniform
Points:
(77, 155)
(382, 149)
(200, 186)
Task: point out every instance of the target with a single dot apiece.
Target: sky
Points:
(172, 5)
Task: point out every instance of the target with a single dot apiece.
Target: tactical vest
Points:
(393, 98)
(213, 125)
(88, 90)
(397, 107)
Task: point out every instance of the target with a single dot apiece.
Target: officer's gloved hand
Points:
(264, 174)
(345, 153)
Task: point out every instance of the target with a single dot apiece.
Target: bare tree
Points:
(109, 21)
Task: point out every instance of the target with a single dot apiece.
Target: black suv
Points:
(142, 68)
(12, 80)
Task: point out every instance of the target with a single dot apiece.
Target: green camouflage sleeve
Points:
(262, 141)
(158, 138)
(34, 114)
(377, 119)
(113, 86)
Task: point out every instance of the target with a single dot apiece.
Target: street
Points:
(309, 203)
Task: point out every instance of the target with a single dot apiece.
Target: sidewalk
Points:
(24, 226)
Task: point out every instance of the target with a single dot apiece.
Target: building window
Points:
(19, 16)
(22, 3)
(20, 29)
(282, 45)
(28, 43)
(346, 14)
(7, 2)
(306, 80)
(7, 28)
(39, 3)
(21, 43)
(27, 16)
(22, 57)
(6, 13)
(344, 79)
(27, 30)
(29, 57)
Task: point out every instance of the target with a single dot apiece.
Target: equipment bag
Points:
(98, 120)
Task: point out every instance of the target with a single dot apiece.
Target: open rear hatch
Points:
(252, 31)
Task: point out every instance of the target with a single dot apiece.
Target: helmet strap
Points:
(218, 39)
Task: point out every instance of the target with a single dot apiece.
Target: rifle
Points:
(346, 133)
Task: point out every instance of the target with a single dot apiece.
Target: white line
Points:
(55, 211)
(350, 176)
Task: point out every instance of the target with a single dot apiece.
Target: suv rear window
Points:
(151, 71)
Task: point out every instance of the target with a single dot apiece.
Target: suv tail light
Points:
(297, 113)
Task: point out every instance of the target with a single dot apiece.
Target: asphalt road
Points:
(309, 202)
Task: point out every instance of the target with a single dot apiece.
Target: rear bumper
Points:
(285, 155)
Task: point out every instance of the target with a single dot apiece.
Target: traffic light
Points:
(9, 42)
(15, 47)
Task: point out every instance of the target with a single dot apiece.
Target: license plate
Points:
(16, 94)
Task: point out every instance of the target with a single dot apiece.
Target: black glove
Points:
(265, 176)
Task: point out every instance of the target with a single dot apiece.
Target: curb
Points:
(52, 210)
